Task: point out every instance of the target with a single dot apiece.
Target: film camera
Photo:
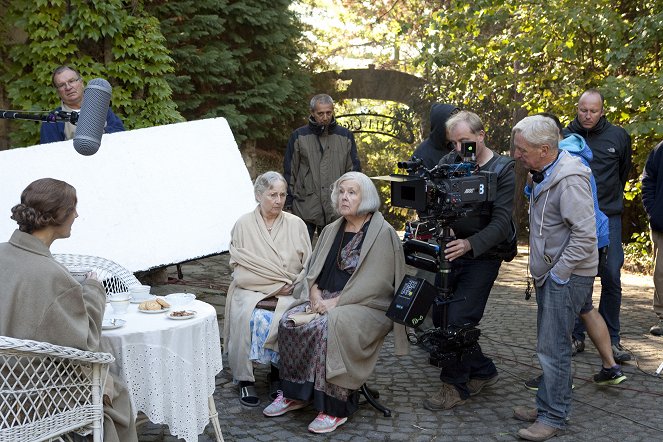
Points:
(440, 196)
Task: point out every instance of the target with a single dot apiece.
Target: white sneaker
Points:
(281, 405)
(325, 423)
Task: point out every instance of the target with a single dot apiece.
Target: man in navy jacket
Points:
(69, 85)
(652, 199)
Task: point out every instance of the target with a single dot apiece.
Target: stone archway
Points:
(377, 84)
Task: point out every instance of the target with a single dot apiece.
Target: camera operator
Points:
(476, 256)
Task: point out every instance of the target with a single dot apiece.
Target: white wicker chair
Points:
(114, 277)
(49, 390)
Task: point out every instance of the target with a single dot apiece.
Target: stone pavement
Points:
(632, 411)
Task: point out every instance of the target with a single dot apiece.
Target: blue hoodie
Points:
(576, 146)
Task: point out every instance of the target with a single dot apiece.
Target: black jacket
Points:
(433, 148)
(652, 186)
(611, 149)
(488, 227)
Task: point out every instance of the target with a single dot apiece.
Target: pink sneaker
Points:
(325, 423)
(281, 405)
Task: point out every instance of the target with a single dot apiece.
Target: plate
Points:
(136, 301)
(110, 324)
(179, 318)
(154, 311)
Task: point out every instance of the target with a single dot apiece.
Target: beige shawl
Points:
(358, 324)
(262, 264)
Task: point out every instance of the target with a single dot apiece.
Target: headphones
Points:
(537, 176)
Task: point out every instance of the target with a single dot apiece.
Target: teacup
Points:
(79, 273)
(140, 292)
(120, 303)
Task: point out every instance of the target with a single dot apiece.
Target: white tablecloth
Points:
(169, 365)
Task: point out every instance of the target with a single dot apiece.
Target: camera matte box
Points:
(412, 302)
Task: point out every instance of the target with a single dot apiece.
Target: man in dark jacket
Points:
(652, 187)
(433, 148)
(611, 150)
(475, 264)
(316, 156)
(69, 85)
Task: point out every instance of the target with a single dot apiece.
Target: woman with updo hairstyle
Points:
(45, 202)
(41, 301)
(269, 249)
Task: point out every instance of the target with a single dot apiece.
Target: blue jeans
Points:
(558, 306)
(471, 279)
(611, 285)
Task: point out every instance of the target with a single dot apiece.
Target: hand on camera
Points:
(457, 248)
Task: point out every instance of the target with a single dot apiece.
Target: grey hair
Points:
(265, 181)
(538, 130)
(320, 99)
(370, 200)
(470, 118)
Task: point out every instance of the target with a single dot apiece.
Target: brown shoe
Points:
(476, 385)
(526, 414)
(538, 432)
(445, 399)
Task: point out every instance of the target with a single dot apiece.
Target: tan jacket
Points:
(358, 325)
(40, 300)
(262, 264)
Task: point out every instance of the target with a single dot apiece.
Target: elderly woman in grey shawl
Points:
(354, 272)
(269, 249)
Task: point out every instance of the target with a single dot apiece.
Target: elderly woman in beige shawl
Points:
(269, 249)
(354, 272)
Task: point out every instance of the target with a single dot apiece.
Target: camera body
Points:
(440, 196)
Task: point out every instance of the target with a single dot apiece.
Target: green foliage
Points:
(637, 254)
(505, 59)
(114, 39)
(239, 60)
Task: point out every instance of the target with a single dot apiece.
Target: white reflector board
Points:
(148, 198)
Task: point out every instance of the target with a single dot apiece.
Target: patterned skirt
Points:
(303, 351)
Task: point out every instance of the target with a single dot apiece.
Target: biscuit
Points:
(149, 305)
(162, 303)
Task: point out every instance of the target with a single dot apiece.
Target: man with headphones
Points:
(563, 263)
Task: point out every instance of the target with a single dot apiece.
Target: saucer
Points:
(110, 324)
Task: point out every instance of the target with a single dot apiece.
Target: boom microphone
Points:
(92, 117)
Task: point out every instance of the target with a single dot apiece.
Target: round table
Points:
(168, 365)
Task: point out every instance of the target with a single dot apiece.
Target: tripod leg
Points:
(374, 403)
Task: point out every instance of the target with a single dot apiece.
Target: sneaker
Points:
(657, 329)
(445, 399)
(281, 405)
(325, 423)
(527, 414)
(533, 384)
(577, 346)
(476, 385)
(610, 376)
(620, 354)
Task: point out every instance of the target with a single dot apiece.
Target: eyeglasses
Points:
(71, 83)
